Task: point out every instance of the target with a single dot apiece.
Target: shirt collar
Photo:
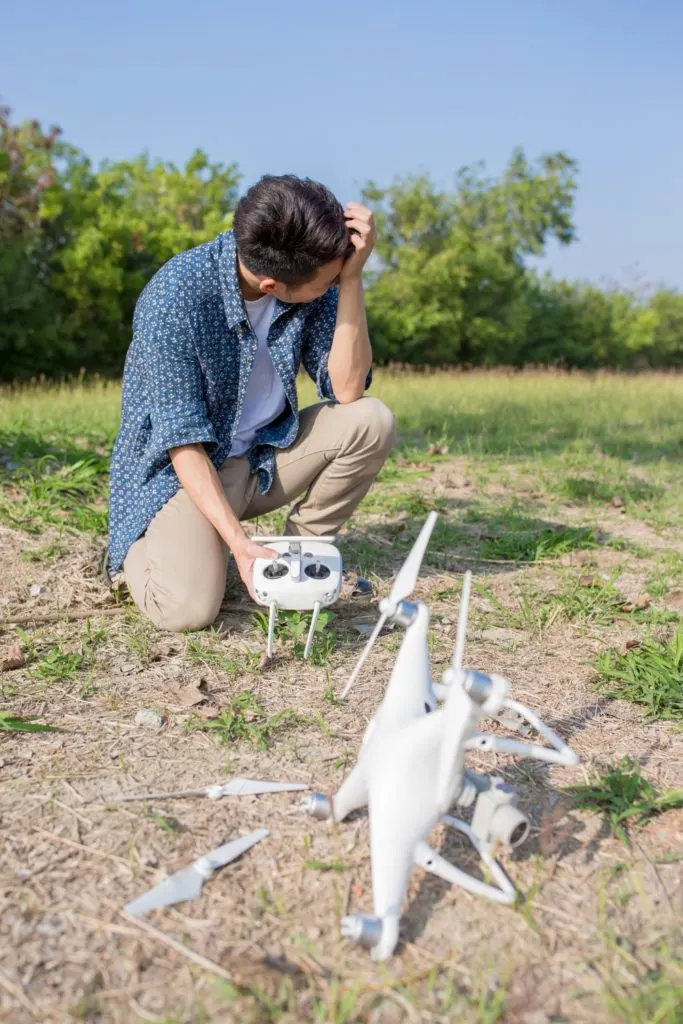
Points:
(233, 301)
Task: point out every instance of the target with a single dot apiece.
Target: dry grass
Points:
(507, 461)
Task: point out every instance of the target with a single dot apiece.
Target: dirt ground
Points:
(595, 936)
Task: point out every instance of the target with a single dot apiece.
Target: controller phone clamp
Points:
(306, 575)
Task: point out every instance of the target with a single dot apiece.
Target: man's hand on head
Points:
(361, 225)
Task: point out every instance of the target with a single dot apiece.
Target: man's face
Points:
(313, 289)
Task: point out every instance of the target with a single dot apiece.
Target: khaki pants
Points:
(176, 572)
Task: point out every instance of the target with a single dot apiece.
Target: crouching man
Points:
(211, 434)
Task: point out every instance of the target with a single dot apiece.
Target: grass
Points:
(624, 797)
(60, 665)
(292, 629)
(244, 719)
(649, 673)
(552, 487)
(10, 722)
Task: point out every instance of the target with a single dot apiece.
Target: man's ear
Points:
(267, 285)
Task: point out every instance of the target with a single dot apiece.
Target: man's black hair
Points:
(288, 227)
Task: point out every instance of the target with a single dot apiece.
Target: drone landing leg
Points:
(272, 615)
(430, 860)
(311, 631)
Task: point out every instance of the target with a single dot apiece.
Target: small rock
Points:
(617, 501)
(674, 600)
(498, 635)
(148, 719)
(14, 658)
(36, 590)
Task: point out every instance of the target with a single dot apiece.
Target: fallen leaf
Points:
(190, 695)
(14, 658)
(207, 711)
(590, 581)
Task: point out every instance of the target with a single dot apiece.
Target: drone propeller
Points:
(187, 884)
(461, 631)
(404, 584)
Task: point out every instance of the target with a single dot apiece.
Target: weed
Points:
(10, 722)
(47, 553)
(513, 538)
(625, 797)
(330, 697)
(292, 628)
(326, 865)
(167, 824)
(636, 991)
(137, 641)
(61, 666)
(244, 718)
(344, 760)
(650, 674)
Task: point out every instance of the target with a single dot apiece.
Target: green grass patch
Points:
(9, 722)
(292, 628)
(60, 665)
(514, 538)
(624, 797)
(650, 674)
(244, 719)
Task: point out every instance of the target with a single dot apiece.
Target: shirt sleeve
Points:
(172, 380)
(317, 342)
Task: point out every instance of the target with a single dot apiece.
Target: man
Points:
(210, 431)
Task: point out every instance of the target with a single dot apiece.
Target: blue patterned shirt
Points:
(186, 375)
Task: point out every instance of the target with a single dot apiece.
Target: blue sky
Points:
(379, 88)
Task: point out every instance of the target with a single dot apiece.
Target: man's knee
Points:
(185, 612)
(376, 420)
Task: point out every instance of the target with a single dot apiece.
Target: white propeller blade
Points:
(404, 584)
(236, 787)
(461, 632)
(187, 884)
(364, 655)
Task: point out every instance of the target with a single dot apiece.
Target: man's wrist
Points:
(352, 277)
(235, 537)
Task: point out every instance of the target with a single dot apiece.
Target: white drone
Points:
(411, 767)
(306, 575)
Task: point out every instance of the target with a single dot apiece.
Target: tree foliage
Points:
(88, 242)
(450, 284)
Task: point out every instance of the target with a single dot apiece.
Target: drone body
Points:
(411, 768)
(306, 576)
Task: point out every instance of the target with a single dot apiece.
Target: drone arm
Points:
(503, 745)
(569, 757)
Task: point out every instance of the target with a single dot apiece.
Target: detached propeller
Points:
(404, 584)
(187, 884)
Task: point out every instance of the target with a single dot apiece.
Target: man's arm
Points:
(198, 476)
(181, 430)
(350, 356)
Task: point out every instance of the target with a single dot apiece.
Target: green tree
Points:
(450, 284)
(80, 244)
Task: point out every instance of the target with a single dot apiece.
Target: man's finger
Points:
(360, 226)
(361, 212)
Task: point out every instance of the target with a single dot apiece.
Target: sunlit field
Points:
(563, 493)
